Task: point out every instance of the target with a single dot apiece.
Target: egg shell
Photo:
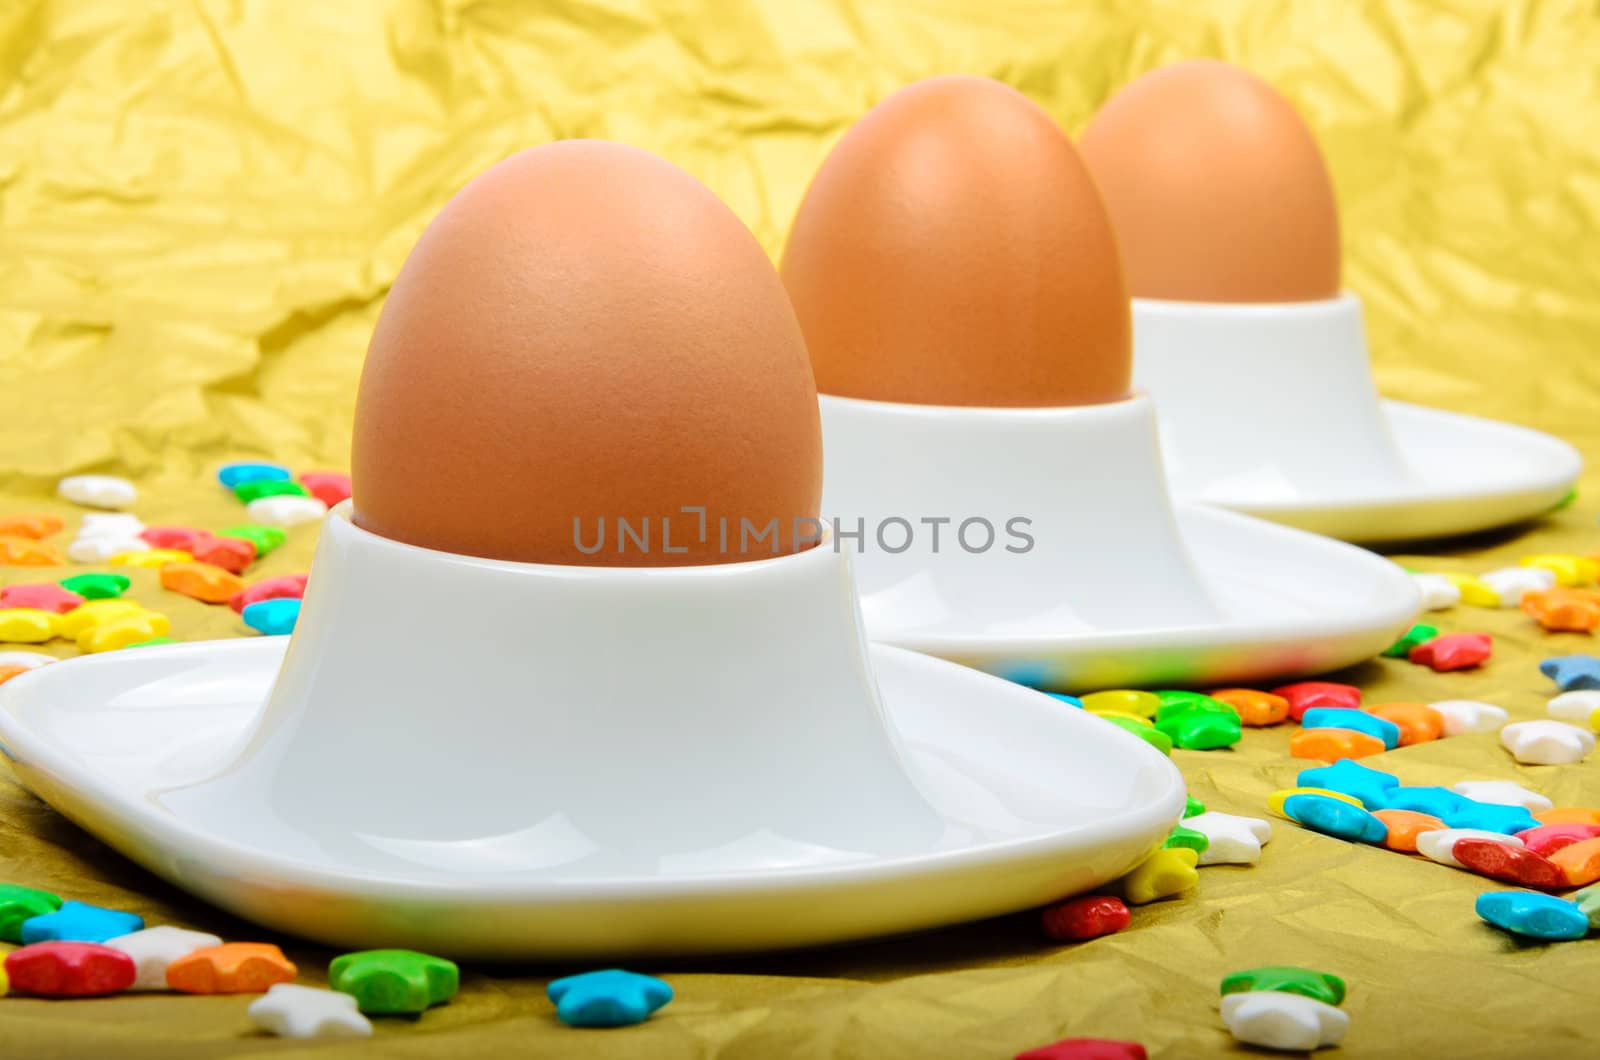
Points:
(1216, 187)
(586, 332)
(953, 250)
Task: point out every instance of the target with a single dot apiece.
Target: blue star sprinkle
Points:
(612, 998)
(1349, 777)
(1572, 673)
(1335, 817)
(80, 922)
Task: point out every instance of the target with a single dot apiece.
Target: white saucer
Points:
(1461, 474)
(1272, 410)
(1288, 604)
(1034, 800)
(1120, 587)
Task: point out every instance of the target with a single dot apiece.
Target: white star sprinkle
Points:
(1546, 742)
(1469, 715)
(291, 1011)
(1438, 592)
(1230, 840)
(1512, 582)
(1279, 1020)
(1574, 707)
(154, 948)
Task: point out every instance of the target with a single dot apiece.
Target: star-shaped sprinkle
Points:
(1202, 730)
(1577, 708)
(1303, 695)
(19, 904)
(1546, 742)
(1474, 591)
(1288, 979)
(232, 554)
(1193, 806)
(286, 510)
(69, 969)
(1440, 845)
(98, 491)
(611, 998)
(80, 922)
(329, 487)
(1502, 793)
(1453, 651)
(265, 538)
(1512, 582)
(1168, 872)
(1572, 672)
(394, 982)
(1509, 864)
(96, 586)
(1539, 916)
(275, 617)
(231, 475)
(1371, 786)
(183, 538)
(1469, 715)
(292, 1011)
(1086, 917)
(153, 949)
(42, 596)
(1334, 817)
(1418, 722)
(258, 488)
(1438, 592)
(1404, 827)
(1277, 1020)
(1254, 707)
(35, 525)
(1230, 840)
(232, 968)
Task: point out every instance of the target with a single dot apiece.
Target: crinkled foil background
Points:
(201, 206)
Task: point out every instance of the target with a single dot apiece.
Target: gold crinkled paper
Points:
(201, 205)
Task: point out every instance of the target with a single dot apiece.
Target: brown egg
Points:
(587, 333)
(952, 250)
(1216, 188)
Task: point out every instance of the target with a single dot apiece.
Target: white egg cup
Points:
(1118, 587)
(1271, 409)
(499, 759)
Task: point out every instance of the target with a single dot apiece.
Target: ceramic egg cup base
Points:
(1120, 587)
(1272, 410)
(620, 763)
